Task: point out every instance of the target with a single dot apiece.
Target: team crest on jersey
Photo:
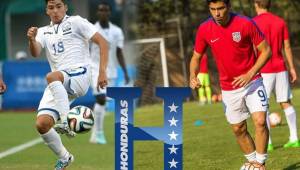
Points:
(236, 36)
(66, 27)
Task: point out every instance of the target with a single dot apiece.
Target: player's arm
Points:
(103, 46)
(289, 58)
(194, 82)
(122, 63)
(34, 46)
(265, 53)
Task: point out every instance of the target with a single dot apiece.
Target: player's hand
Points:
(102, 80)
(2, 86)
(31, 33)
(242, 80)
(195, 83)
(293, 75)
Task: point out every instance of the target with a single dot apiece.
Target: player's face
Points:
(56, 10)
(103, 13)
(220, 12)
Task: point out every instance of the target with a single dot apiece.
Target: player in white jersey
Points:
(114, 35)
(66, 41)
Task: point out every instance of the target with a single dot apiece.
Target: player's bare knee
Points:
(43, 124)
(285, 105)
(54, 76)
(239, 129)
(260, 122)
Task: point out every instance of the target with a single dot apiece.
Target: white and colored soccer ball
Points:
(252, 166)
(275, 119)
(80, 119)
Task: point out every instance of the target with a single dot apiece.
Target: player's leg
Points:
(55, 82)
(236, 114)
(257, 104)
(201, 90)
(207, 88)
(283, 96)
(269, 81)
(47, 116)
(97, 135)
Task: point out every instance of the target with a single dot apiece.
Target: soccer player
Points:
(204, 91)
(274, 73)
(231, 38)
(114, 35)
(66, 41)
(2, 86)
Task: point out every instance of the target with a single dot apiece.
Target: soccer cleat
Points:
(295, 144)
(270, 147)
(99, 138)
(63, 128)
(62, 163)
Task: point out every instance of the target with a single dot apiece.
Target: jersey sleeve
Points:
(200, 43)
(255, 33)
(120, 38)
(40, 37)
(85, 28)
(285, 32)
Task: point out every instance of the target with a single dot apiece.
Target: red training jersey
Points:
(203, 64)
(276, 31)
(231, 45)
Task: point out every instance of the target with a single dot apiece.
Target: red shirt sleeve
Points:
(256, 35)
(285, 32)
(200, 43)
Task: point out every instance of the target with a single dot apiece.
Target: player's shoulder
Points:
(44, 29)
(76, 18)
(206, 23)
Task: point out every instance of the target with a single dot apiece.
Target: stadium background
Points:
(175, 21)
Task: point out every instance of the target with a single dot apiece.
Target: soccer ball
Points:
(252, 166)
(275, 119)
(80, 119)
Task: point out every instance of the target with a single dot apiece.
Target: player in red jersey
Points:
(274, 73)
(204, 91)
(231, 38)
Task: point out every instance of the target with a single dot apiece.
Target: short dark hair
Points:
(225, 1)
(64, 1)
(105, 3)
(265, 4)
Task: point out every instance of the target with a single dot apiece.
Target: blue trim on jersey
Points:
(50, 109)
(250, 20)
(76, 74)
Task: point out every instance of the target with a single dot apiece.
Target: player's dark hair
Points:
(64, 1)
(265, 4)
(227, 2)
(105, 3)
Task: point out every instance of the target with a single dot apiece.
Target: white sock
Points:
(290, 114)
(53, 140)
(61, 99)
(251, 157)
(269, 127)
(261, 158)
(99, 112)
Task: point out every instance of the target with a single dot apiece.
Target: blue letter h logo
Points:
(170, 133)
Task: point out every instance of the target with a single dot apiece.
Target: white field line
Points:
(21, 147)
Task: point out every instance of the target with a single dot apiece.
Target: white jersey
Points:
(114, 35)
(67, 43)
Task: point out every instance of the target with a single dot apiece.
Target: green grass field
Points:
(210, 146)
